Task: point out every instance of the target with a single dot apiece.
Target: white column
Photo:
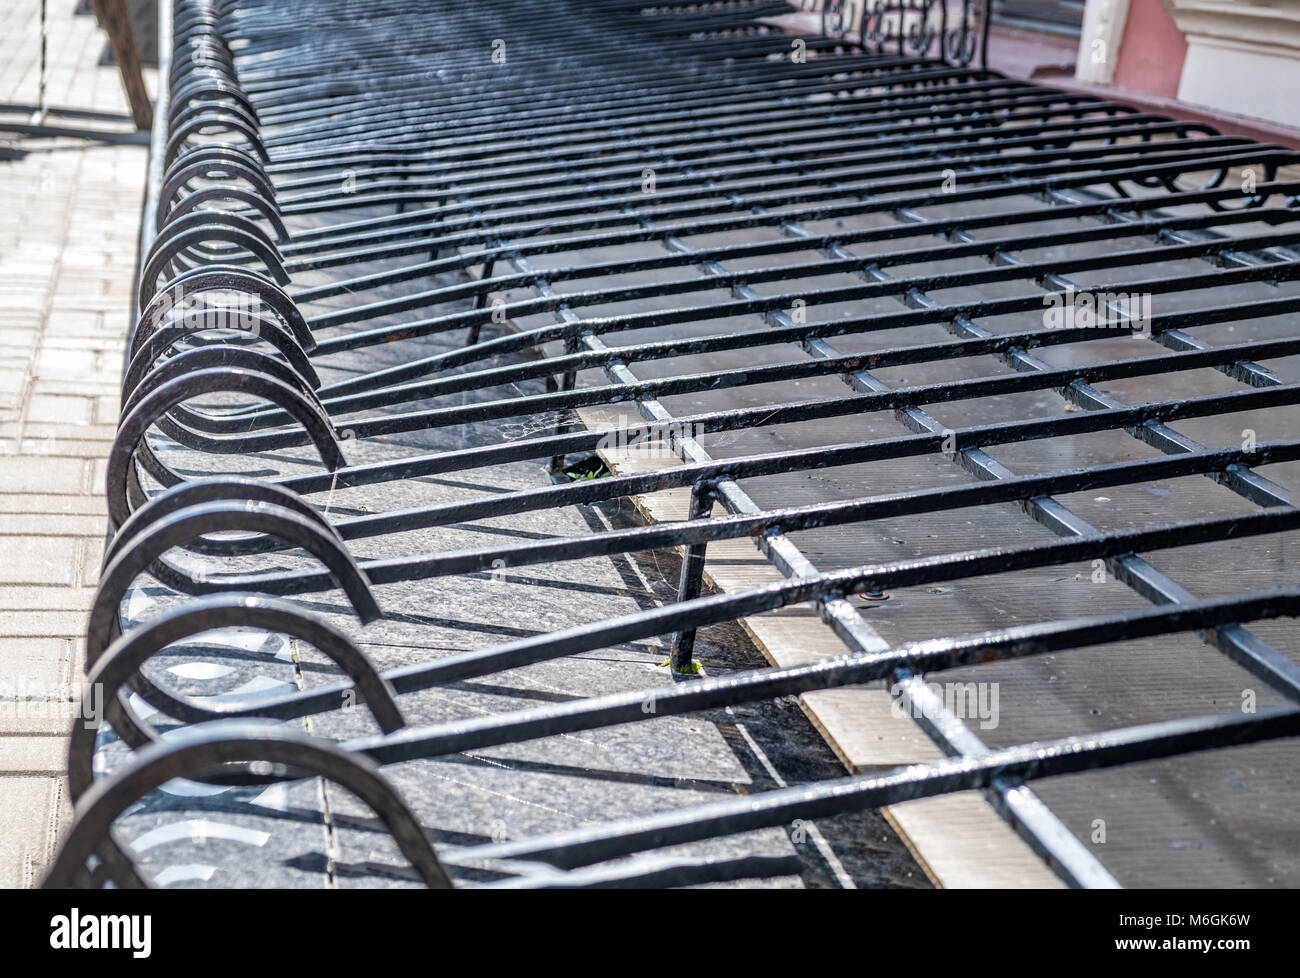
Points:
(1243, 57)
(1103, 28)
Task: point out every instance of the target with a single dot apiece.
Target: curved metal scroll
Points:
(208, 746)
(173, 529)
(118, 668)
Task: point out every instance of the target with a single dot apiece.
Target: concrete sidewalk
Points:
(71, 198)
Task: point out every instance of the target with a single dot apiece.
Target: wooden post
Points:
(112, 17)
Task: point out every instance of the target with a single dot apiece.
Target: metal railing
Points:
(953, 32)
(521, 168)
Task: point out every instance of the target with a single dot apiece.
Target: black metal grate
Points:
(827, 273)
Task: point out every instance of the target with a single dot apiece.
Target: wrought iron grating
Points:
(988, 372)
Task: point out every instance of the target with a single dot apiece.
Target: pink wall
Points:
(1152, 51)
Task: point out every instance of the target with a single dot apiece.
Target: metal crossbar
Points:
(643, 203)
